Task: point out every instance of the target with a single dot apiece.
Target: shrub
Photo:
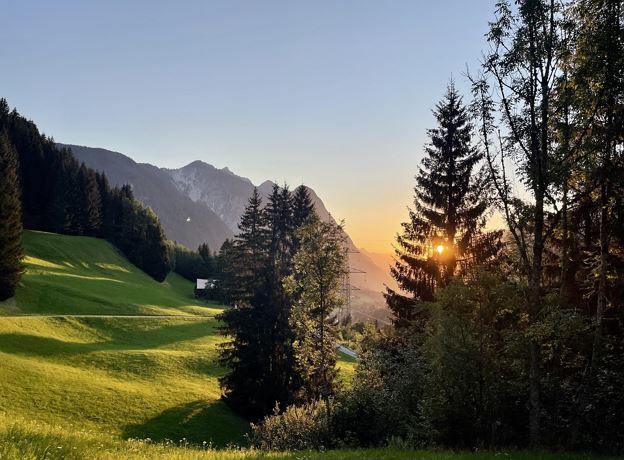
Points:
(304, 427)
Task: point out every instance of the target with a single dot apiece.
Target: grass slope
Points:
(129, 377)
(82, 275)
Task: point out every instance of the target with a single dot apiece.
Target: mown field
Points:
(98, 361)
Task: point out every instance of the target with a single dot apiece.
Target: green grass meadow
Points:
(138, 381)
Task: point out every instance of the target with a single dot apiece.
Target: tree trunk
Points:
(601, 300)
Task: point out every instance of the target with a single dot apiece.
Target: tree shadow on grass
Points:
(196, 422)
(34, 345)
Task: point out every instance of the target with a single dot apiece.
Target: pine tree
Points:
(249, 324)
(444, 230)
(11, 252)
(260, 356)
(302, 210)
(105, 199)
(204, 251)
(302, 206)
(207, 261)
(91, 201)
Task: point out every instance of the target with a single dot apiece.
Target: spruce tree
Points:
(11, 252)
(91, 201)
(444, 231)
(260, 354)
(302, 210)
(248, 353)
(302, 206)
(207, 261)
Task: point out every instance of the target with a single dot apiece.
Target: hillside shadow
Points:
(196, 422)
(121, 340)
(132, 339)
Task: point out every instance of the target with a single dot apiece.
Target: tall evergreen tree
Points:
(249, 323)
(260, 354)
(445, 227)
(302, 210)
(11, 252)
(208, 261)
(302, 206)
(91, 200)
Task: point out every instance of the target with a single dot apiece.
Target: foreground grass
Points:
(30, 440)
(130, 377)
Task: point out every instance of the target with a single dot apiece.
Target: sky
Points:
(334, 94)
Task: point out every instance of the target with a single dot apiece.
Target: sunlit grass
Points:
(128, 377)
(30, 440)
(346, 368)
(101, 281)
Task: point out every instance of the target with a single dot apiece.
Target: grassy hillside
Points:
(140, 377)
(82, 275)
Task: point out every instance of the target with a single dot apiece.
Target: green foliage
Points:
(385, 399)
(11, 252)
(474, 384)
(315, 285)
(303, 427)
(189, 264)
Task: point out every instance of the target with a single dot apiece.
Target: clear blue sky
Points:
(336, 94)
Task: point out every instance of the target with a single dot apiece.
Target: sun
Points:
(440, 248)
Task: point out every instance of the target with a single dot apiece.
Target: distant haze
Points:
(333, 94)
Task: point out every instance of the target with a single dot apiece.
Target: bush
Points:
(304, 427)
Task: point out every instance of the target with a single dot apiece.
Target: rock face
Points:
(222, 191)
(200, 203)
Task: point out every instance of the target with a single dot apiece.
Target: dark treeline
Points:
(58, 194)
(512, 338)
(193, 264)
(11, 252)
(281, 347)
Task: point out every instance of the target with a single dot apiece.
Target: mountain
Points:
(214, 199)
(223, 192)
(184, 220)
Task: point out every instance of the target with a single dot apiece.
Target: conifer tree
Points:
(444, 230)
(204, 251)
(11, 252)
(91, 214)
(248, 354)
(207, 259)
(260, 354)
(302, 206)
(302, 210)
